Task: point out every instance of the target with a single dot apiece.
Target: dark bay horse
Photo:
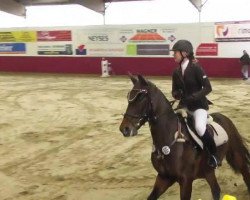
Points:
(180, 162)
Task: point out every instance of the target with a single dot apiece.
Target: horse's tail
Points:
(237, 152)
(237, 155)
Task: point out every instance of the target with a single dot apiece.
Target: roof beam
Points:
(96, 5)
(13, 7)
(17, 7)
(198, 4)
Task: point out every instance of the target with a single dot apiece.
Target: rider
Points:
(190, 85)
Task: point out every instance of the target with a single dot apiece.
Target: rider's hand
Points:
(178, 94)
(190, 98)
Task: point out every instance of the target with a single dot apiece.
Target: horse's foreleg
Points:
(212, 181)
(186, 188)
(160, 186)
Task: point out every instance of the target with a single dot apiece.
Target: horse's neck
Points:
(163, 107)
(165, 126)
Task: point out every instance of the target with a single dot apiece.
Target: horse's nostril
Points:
(126, 131)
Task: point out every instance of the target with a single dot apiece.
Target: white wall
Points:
(111, 40)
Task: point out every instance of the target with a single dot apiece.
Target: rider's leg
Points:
(209, 144)
(200, 119)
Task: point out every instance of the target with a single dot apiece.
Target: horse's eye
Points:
(141, 96)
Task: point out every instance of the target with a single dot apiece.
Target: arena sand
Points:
(60, 139)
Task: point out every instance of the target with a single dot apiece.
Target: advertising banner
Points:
(60, 49)
(54, 36)
(232, 31)
(125, 42)
(12, 48)
(147, 49)
(18, 36)
(106, 50)
(207, 49)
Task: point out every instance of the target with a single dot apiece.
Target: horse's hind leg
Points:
(212, 181)
(237, 155)
(246, 176)
(243, 168)
(238, 158)
(160, 186)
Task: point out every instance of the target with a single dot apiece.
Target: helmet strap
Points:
(183, 56)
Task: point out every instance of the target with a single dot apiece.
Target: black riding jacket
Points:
(192, 88)
(245, 60)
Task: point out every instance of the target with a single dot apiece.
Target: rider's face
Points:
(177, 56)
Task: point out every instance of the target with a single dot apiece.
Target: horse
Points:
(174, 161)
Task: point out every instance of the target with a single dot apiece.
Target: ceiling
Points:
(17, 7)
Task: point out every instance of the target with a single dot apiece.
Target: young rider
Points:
(190, 85)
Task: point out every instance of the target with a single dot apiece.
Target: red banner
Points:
(207, 49)
(43, 36)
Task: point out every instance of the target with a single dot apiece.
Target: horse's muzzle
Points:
(127, 129)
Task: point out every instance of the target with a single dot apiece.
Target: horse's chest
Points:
(165, 165)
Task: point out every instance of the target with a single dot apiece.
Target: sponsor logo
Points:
(147, 35)
(221, 30)
(146, 30)
(244, 31)
(123, 39)
(81, 50)
(171, 38)
(98, 38)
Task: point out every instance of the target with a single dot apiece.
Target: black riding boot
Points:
(210, 145)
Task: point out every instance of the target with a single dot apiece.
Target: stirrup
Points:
(213, 162)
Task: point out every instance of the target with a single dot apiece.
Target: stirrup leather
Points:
(213, 162)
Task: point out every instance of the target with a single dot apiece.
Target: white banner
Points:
(232, 31)
(136, 41)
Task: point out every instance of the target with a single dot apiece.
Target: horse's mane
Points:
(154, 87)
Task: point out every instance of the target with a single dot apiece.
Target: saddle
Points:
(217, 131)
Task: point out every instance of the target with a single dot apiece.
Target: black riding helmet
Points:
(183, 45)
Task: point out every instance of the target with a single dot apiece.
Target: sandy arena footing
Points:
(60, 139)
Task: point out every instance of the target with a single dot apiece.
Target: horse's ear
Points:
(133, 79)
(142, 80)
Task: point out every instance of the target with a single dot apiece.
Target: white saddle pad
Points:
(220, 136)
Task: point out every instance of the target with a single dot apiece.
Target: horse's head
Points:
(139, 107)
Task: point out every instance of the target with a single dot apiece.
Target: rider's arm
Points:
(177, 92)
(204, 81)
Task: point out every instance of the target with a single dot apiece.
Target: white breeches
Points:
(200, 121)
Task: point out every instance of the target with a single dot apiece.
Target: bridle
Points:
(148, 116)
(151, 117)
